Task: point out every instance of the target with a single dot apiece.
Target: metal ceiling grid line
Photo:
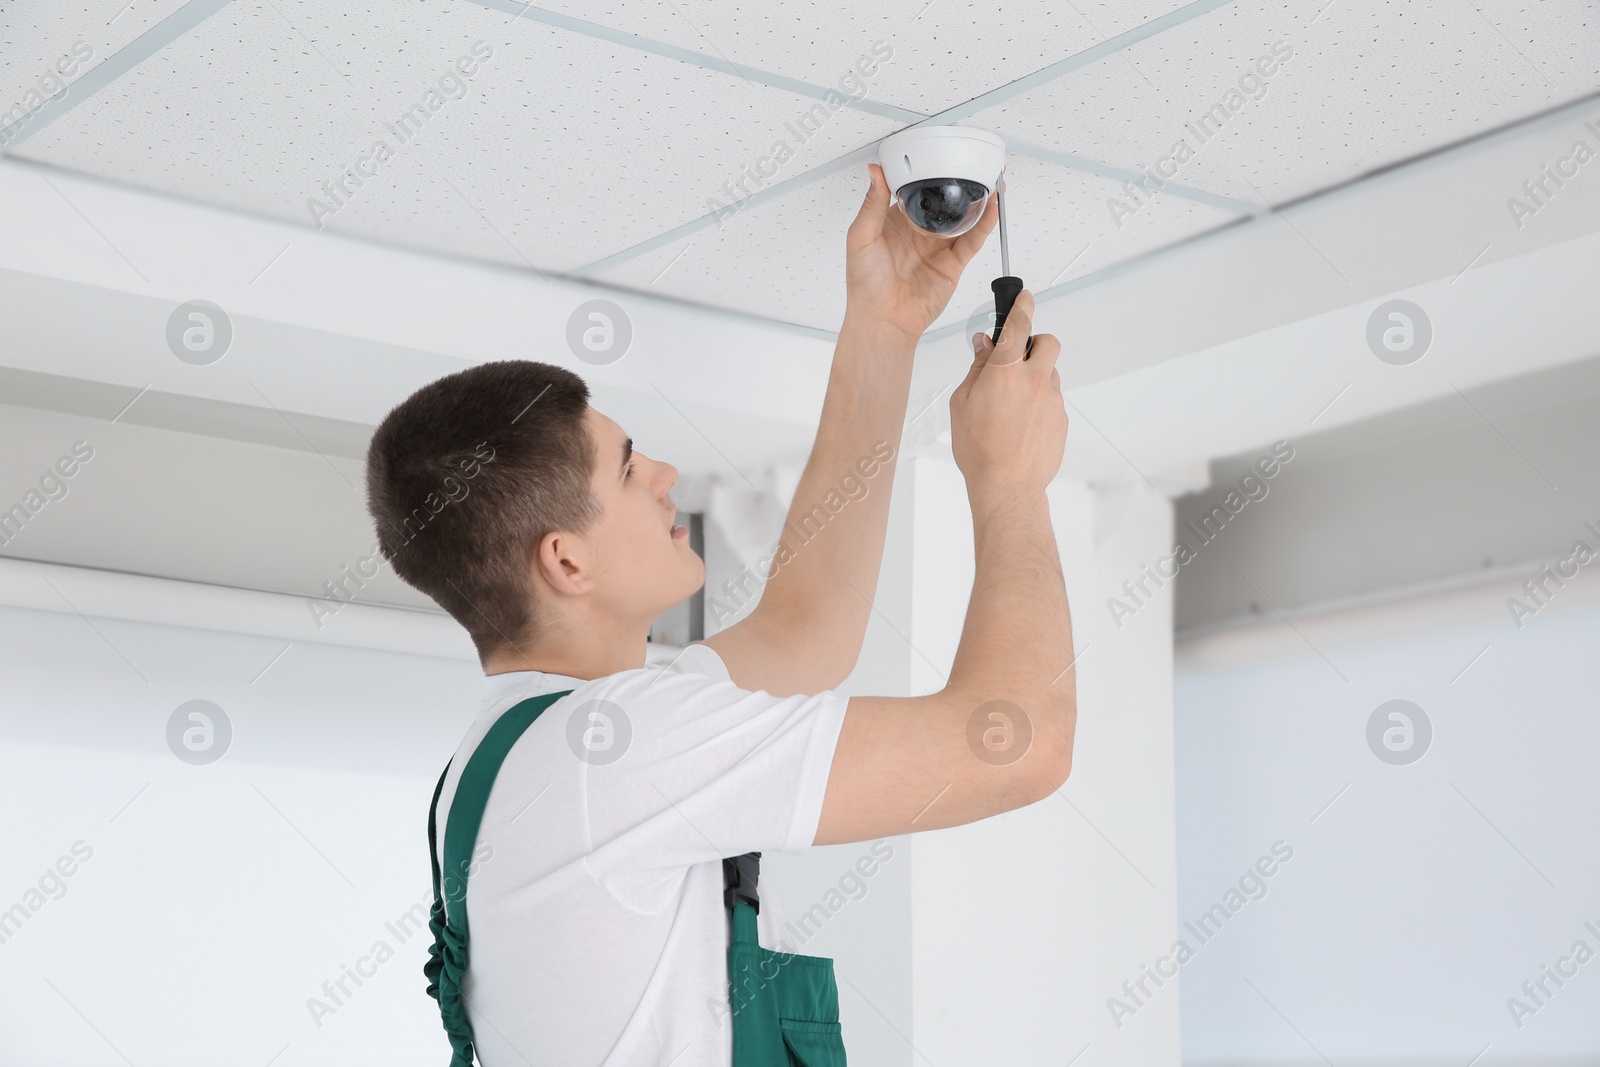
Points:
(914, 118)
(771, 192)
(1110, 46)
(196, 11)
(1107, 47)
(697, 59)
(113, 67)
(1358, 184)
(900, 114)
(1361, 183)
(193, 13)
(866, 153)
(1114, 270)
(1472, 142)
(1103, 170)
(399, 246)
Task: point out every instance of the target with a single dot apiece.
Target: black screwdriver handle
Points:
(1005, 294)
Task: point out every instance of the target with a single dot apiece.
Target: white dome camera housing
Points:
(943, 175)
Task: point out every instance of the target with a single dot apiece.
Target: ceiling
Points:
(1228, 310)
(596, 141)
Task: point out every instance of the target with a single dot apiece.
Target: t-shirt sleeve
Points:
(688, 767)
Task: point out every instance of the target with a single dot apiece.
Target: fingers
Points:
(868, 224)
(1013, 344)
(1046, 350)
(1019, 343)
(981, 349)
(966, 246)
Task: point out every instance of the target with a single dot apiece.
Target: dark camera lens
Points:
(943, 206)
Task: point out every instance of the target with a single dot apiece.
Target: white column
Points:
(1020, 928)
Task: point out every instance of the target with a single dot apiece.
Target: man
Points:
(598, 929)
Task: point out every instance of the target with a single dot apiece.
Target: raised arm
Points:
(999, 735)
(806, 633)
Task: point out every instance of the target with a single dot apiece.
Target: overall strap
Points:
(740, 875)
(448, 959)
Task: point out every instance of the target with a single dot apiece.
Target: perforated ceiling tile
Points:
(1271, 100)
(944, 54)
(785, 258)
(557, 150)
(561, 148)
(1061, 230)
(46, 45)
(1560, 39)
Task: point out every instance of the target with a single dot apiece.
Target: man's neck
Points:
(585, 653)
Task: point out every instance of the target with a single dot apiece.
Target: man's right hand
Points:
(1008, 422)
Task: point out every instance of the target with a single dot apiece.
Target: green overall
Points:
(785, 1007)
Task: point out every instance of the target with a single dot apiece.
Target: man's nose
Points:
(666, 477)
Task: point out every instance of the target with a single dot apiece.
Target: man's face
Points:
(643, 562)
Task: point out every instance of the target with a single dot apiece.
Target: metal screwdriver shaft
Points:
(1007, 286)
(1005, 247)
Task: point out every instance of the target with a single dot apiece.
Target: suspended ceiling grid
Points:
(597, 140)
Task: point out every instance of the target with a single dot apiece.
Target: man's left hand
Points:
(895, 274)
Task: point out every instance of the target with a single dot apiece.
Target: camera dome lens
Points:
(943, 206)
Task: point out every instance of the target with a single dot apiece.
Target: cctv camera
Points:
(942, 175)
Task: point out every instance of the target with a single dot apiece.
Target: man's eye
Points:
(630, 468)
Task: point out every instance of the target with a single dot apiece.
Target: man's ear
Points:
(562, 560)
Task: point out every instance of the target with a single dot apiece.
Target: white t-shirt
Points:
(598, 930)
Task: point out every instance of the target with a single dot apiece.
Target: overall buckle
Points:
(740, 874)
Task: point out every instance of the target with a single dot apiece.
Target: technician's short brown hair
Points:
(467, 476)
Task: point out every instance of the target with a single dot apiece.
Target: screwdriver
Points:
(1008, 286)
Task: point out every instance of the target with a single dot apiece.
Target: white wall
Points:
(1419, 897)
(217, 898)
